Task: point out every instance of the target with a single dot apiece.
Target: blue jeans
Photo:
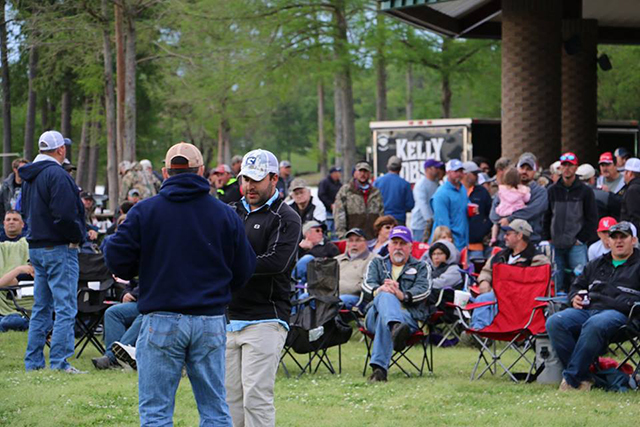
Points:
(386, 309)
(121, 323)
(349, 301)
(169, 341)
(580, 336)
(568, 258)
(483, 316)
(300, 270)
(13, 322)
(55, 290)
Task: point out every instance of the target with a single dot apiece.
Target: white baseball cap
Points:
(454, 165)
(257, 164)
(632, 164)
(50, 140)
(470, 167)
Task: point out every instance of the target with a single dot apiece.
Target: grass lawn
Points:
(446, 398)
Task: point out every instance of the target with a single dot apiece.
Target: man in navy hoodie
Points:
(190, 253)
(54, 215)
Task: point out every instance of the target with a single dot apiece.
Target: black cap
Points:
(623, 227)
(86, 195)
(335, 169)
(356, 231)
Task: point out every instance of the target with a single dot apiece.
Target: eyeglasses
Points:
(387, 227)
(317, 230)
(569, 157)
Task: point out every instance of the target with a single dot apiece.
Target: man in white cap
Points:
(54, 215)
(188, 265)
(631, 200)
(449, 204)
(259, 313)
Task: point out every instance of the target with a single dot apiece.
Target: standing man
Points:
(329, 187)
(622, 155)
(259, 313)
(501, 166)
(449, 205)
(358, 203)
(188, 265)
(227, 186)
(396, 192)
(631, 200)
(55, 221)
(571, 221)
(479, 224)
(236, 163)
(304, 204)
(285, 178)
(425, 188)
(11, 187)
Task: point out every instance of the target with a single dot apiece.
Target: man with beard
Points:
(399, 285)
(353, 265)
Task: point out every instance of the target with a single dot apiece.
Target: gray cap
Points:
(470, 167)
(285, 164)
(528, 159)
(309, 225)
(394, 161)
(297, 184)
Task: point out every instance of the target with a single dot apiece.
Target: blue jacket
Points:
(397, 196)
(449, 206)
(51, 205)
(188, 248)
(480, 225)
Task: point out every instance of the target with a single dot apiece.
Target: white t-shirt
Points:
(597, 250)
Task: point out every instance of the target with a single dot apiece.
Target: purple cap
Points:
(401, 232)
(432, 163)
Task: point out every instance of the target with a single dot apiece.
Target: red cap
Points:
(606, 158)
(222, 169)
(606, 223)
(569, 157)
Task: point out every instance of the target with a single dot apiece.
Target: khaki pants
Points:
(253, 355)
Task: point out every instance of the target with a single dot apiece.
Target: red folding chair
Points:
(519, 319)
(418, 249)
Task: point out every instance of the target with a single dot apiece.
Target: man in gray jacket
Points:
(536, 207)
(398, 284)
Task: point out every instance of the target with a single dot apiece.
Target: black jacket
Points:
(7, 192)
(274, 233)
(630, 210)
(327, 190)
(609, 287)
(230, 192)
(324, 250)
(480, 225)
(572, 215)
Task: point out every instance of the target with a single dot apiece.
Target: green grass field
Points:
(446, 398)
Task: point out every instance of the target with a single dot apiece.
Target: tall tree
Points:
(110, 109)
(6, 92)
(30, 124)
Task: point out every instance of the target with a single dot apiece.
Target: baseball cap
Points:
(555, 168)
(394, 161)
(356, 231)
(401, 232)
(432, 163)
(335, 169)
(519, 226)
(363, 165)
(529, 160)
(632, 165)
(86, 195)
(454, 165)
(68, 141)
(50, 140)
(257, 164)
(297, 184)
(621, 152)
(606, 158)
(222, 169)
(285, 164)
(606, 223)
(569, 157)
(624, 227)
(484, 178)
(470, 167)
(585, 172)
(134, 192)
(236, 159)
(188, 152)
(309, 225)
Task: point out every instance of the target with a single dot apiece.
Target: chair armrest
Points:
(475, 305)
(633, 308)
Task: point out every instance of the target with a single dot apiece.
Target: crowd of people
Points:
(212, 292)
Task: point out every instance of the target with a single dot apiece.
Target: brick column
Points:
(580, 91)
(531, 82)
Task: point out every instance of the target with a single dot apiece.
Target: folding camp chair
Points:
(627, 340)
(520, 317)
(315, 324)
(445, 321)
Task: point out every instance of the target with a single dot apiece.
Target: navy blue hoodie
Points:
(188, 248)
(51, 205)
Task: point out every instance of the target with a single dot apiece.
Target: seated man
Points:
(313, 245)
(399, 285)
(353, 266)
(601, 298)
(601, 247)
(519, 251)
(14, 267)
(304, 204)
(13, 226)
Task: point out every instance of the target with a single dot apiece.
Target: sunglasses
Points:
(567, 157)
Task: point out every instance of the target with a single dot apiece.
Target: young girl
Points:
(513, 197)
(442, 232)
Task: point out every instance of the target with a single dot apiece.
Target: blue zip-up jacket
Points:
(189, 249)
(397, 196)
(51, 205)
(449, 206)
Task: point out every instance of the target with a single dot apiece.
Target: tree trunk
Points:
(94, 153)
(65, 116)
(83, 147)
(30, 123)
(409, 93)
(337, 118)
(110, 113)
(224, 148)
(381, 72)
(446, 96)
(120, 74)
(44, 114)
(6, 92)
(130, 90)
(322, 144)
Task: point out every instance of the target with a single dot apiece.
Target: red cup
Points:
(473, 209)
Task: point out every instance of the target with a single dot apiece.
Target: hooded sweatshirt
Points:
(51, 205)
(447, 274)
(188, 248)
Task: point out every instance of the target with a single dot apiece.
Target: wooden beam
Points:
(619, 35)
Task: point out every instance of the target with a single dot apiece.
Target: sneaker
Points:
(74, 371)
(378, 375)
(400, 333)
(125, 355)
(104, 363)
